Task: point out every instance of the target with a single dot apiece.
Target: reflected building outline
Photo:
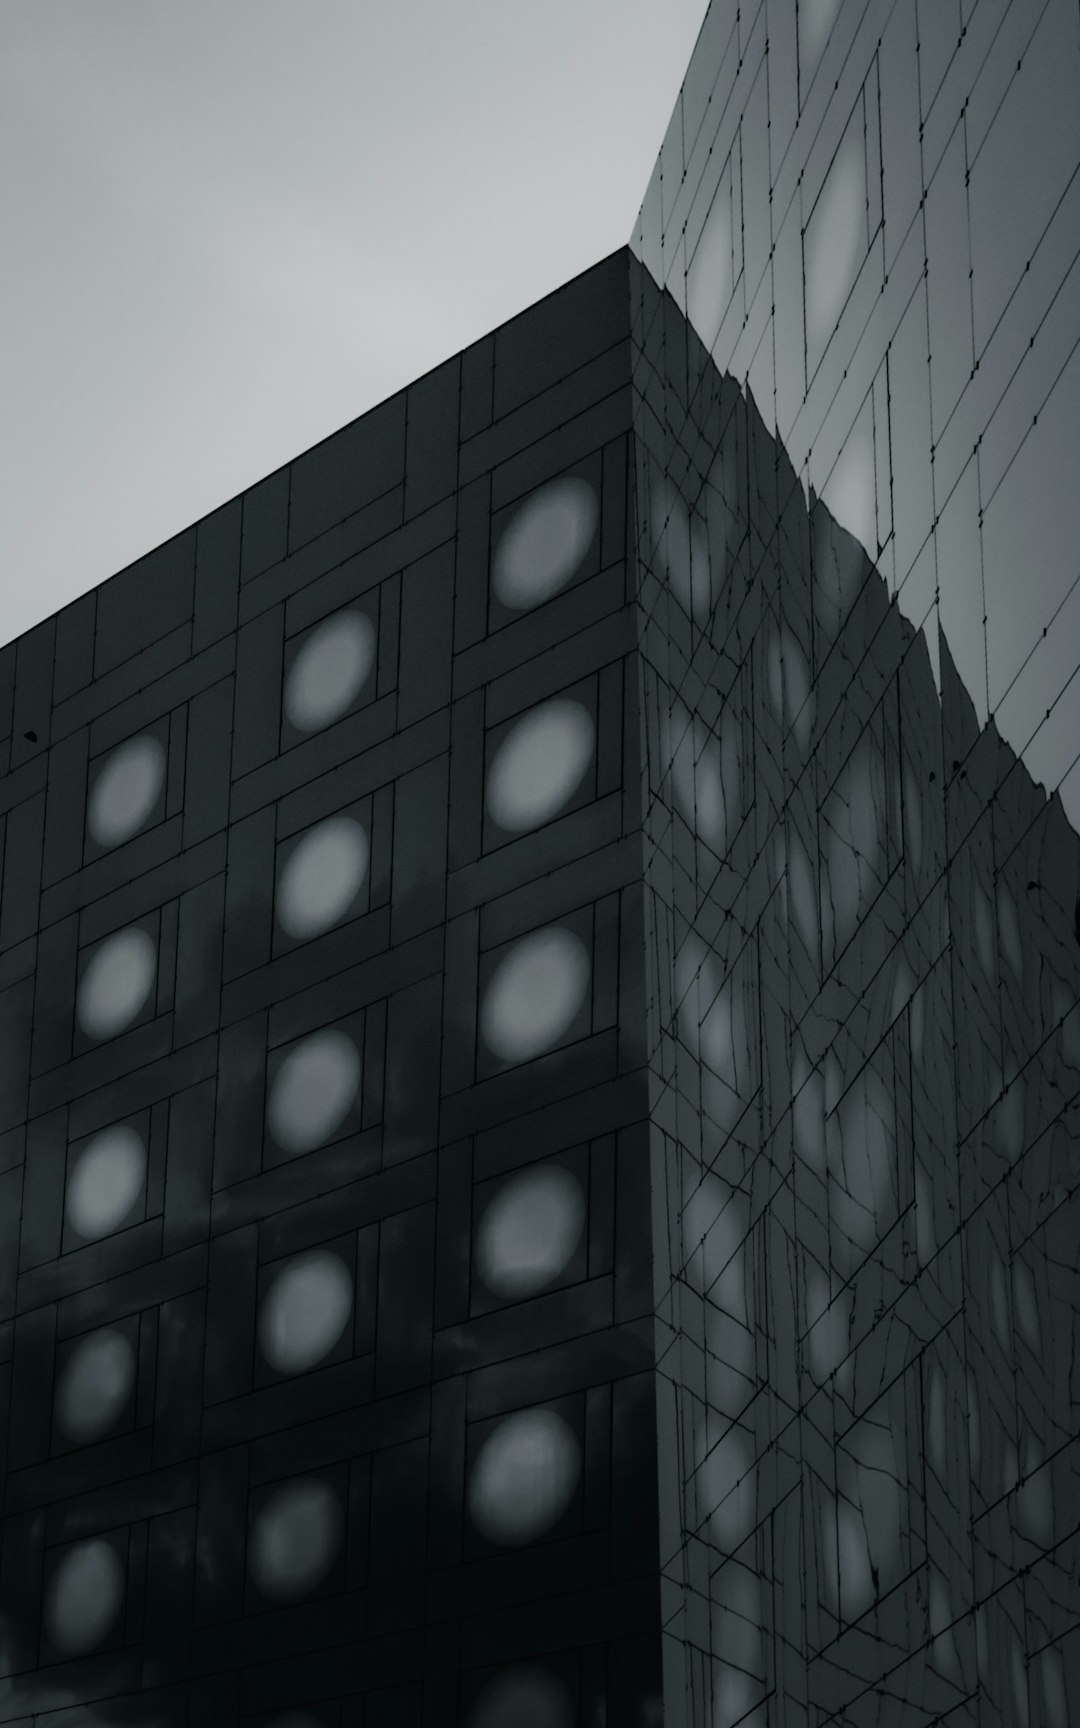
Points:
(540, 984)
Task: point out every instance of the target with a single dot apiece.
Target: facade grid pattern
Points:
(540, 980)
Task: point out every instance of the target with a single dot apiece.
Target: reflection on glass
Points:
(714, 1224)
(999, 1301)
(314, 1090)
(854, 824)
(1009, 932)
(802, 894)
(126, 791)
(530, 1230)
(706, 775)
(681, 539)
(116, 984)
(1035, 1498)
(322, 877)
(808, 1113)
(1021, 1710)
(850, 493)
(936, 1421)
(829, 1324)
(524, 1477)
(835, 242)
(790, 692)
(710, 1021)
(95, 1385)
(305, 1311)
(105, 1182)
(83, 1598)
(883, 819)
(985, 946)
(330, 671)
(862, 1168)
(708, 284)
(913, 824)
(1053, 1685)
(816, 18)
(296, 1537)
(839, 570)
(734, 1691)
(539, 765)
(868, 1517)
(850, 1570)
(545, 542)
(943, 1648)
(534, 994)
(1026, 1308)
(730, 1351)
(697, 978)
(527, 1697)
(727, 1486)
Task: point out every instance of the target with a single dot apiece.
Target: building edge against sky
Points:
(541, 795)
(327, 1292)
(869, 214)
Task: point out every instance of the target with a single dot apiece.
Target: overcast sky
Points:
(230, 226)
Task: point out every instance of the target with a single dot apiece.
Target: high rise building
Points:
(540, 981)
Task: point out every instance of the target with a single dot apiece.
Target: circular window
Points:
(544, 544)
(83, 1598)
(95, 1385)
(305, 1311)
(105, 1181)
(125, 791)
(322, 878)
(524, 1477)
(116, 985)
(534, 994)
(539, 765)
(329, 671)
(295, 1540)
(530, 1230)
(314, 1091)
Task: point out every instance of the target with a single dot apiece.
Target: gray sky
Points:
(230, 226)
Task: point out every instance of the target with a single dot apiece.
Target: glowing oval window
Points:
(530, 1230)
(545, 543)
(527, 1697)
(125, 791)
(539, 765)
(105, 1182)
(295, 1540)
(95, 1385)
(322, 877)
(524, 1478)
(314, 1091)
(534, 994)
(330, 671)
(305, 1311)
(116, 984)
(84, 1597)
